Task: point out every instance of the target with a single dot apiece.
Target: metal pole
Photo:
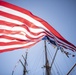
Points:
(71, 69)
(54, 58)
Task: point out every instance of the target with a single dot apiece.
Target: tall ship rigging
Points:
(48, 59)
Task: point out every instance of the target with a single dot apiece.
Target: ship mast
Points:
(24, 64)
(47, 67)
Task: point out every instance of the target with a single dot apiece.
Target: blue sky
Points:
(61, 14)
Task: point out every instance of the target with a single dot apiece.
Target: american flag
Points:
(19, 28)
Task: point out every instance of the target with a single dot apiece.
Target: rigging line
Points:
(54, 58)
(65, 62)
(51, 56)
(53, 71)
(69, 61)
(15, 67)
(50, 52)
(57, 65)
(71, 69)
(43, 61)
(72, 60)
(58, 69)
(17, 64)
(43, 64)
(39, 58)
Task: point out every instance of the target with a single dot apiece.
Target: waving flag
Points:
(19, 28)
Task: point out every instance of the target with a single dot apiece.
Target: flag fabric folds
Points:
(19, 28)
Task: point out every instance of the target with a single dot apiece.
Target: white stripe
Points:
(16, 46)
(22, 31)
(20, 14)
(6, 40)
(10, 20)
(16, 36)
(37, 30)
(21, 36)
(5, 27)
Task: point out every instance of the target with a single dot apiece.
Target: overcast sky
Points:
(61, 14)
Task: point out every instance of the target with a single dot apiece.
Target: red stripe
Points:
(19, 32)
(9, 32)
(8, 37)
(14, 7)
(21, 39)
(11, 38)
(10, 49)
(8, 23)
(13, 43)
(26, 22)
(40, 37)
(66, 46)
(53, 33)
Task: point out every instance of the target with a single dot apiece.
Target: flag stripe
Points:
(9, 38)
(14, 48)
(19, 28)
(21, 19)
(13, 38)
(25, 16)
(62, 43)
(36, 20)
(6, 40)
(17, 46)
(34, 30)
(11, 20)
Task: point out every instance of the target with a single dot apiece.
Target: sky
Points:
(60, 14)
